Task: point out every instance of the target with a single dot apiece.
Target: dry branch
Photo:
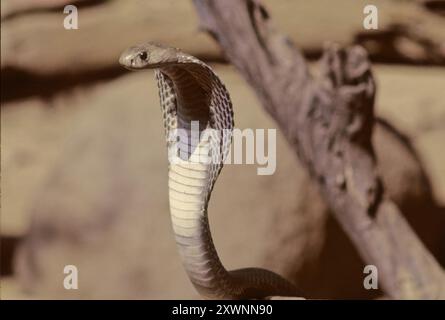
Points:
(328, 122)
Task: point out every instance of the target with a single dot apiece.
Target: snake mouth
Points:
(132, 62)
(135, 58)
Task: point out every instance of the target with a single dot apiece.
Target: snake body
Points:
(189, 91)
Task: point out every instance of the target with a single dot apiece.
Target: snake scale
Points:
(189, 91)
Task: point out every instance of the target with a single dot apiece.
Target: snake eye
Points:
(143, 55)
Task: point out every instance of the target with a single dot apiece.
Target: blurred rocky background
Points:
(84, 170)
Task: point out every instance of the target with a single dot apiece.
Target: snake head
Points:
(148, 56)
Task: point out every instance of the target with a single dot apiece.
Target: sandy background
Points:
(84, 170)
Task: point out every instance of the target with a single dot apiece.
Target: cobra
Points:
(190, 91)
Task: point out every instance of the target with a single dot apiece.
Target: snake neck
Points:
(186, 93)
(190, 185)
(188, 196)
